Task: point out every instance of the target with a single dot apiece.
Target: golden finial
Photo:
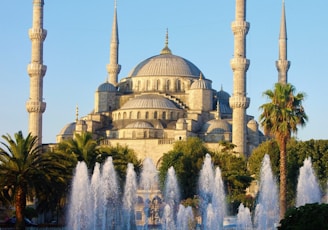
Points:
(166, 49)
(200, 76)
(77, 113)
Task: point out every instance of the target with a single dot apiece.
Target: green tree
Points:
(269, 147)
(25, 172)
(309, 216)
(121, 156)
(280, 118)
(83, 147)
(236, 179)
(187, 158)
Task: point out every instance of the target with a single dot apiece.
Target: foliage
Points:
(83, 147)
(280, 118)
(269, 147)
(187, 158)
(236, 178)
(26, 172)
(297, 152)
(309, 216)
(121, 156)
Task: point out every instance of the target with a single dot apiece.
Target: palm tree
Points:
(280, 118)
(25, 171)
(83, 147)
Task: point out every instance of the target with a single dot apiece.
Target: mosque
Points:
(167, 98)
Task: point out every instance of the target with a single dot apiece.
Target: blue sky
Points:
(76, 52)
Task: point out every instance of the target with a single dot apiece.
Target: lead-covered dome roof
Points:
(200, 84)
(106, 87)
(149, 101)
(223, 98)
(165, 64)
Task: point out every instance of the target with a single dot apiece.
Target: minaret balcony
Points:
(240, 28)
(239, 101)
(36, 69)
(37, 34)
(34, 106)
(239, 63)
(282, 65)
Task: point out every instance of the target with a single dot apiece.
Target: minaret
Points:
(282, 63)
(36, 70)
(239, 64)
(113, 68)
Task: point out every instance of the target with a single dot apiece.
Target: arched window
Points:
(119, 116)
(171, 115)
(147, 85)
(178, 85)
(138, 115)
(130, 115)
(164, 115)
(124, 115)
(158, 84)
(167, 85)
(155, 115)
(146, 115)
(138, 86)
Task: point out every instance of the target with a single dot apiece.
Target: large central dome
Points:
(165, 64)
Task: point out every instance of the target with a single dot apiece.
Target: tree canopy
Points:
(26, 172)
(281, 117)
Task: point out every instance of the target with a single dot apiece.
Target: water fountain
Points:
(96, 203)
(308, 189)
(244, 220)
(267, 208)
(211, 192)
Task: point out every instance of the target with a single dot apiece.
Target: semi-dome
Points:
(68, 129)
(139, 125)
(149, 101)
(200, 84)
(165, 64)
(216, 126)
(106, 87)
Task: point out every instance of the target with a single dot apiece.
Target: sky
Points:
(76, 52)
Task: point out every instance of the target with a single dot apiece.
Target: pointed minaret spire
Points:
(36, 70)
(239, 64)
(113, 68)
(166, 49)
(282, 63)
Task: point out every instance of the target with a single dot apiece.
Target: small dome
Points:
(106, 87)
(252, 124)
(223, 97)
(165, 64)
(139, 125)
(181, 120)
(149, 101)
(200, 84)
(216, 126)
(68, 129)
